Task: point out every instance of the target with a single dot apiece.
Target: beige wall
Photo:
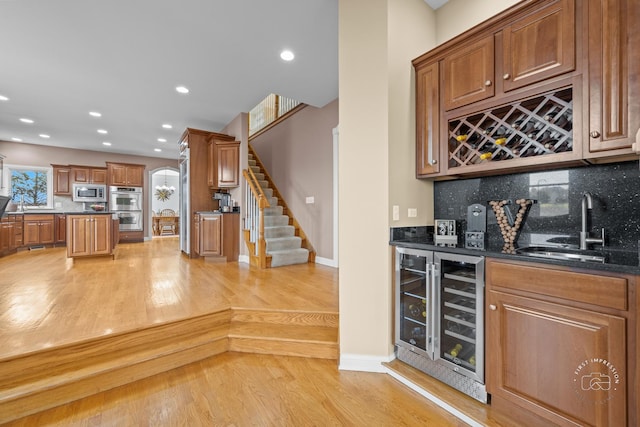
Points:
(239, 128)
(457, 16)
(405, 191)
(298, 155)
(375, 152)
(40, 155)
(378, 39)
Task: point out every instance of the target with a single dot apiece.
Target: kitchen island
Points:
(91, 234)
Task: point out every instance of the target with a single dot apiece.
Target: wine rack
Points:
(536, 126)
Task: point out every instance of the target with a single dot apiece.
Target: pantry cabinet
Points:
(89, 235)
(557, 343)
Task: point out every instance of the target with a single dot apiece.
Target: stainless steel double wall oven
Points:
(126, 203)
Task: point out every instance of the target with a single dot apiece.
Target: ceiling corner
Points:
(435, 4)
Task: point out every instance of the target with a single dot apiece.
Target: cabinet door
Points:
(61, 181)
(100, 234)
(196, 233)
(134, 176)
(118, 174)
(211, 235)
(614, 87)
(228, 160)
(78, 235)
(7, 236)
(81, 175)
(469, 74)
(31, 233)
(427, 121)
(60, 228)
(556, 361)
(539, 46)
(46, 231)
(99, 176)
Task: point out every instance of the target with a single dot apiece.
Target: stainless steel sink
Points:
(561, 253)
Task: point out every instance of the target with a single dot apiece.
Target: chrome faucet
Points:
(585, 240)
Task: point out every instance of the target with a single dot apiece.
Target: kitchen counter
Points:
(48, 212)
(619, 261)
(216, 212)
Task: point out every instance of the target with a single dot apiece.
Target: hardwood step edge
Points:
(72, 375)
(286, 316)
(293, 348)
(66, 393)
(280, 338)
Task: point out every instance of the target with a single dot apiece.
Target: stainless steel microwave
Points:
(89, 193)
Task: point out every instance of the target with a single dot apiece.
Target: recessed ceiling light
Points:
(287, 55)
(162, 140)
(102, 131)
(108, 144)
(23, 120)
(182, 89)
(44, 135)
(167, 126)
(157, 150)
(16, 139)
(95, 114)
(3, 98)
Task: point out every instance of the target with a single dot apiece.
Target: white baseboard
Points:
(359, 362)
(326, 261)
(244, 259)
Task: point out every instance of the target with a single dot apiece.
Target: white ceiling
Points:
(123, 58)
(435, 4)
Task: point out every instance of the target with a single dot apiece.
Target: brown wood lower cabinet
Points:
(217, 235)
(38, 230)
(10, 233)
(89, 235)
(556, 343)
(60, 228)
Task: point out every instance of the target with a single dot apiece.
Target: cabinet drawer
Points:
(600, 290)
(39, 217)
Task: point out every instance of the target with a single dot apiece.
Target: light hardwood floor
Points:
(48, 301)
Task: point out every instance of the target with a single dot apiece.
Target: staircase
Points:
(284, 241)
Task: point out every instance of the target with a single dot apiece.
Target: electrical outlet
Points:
(310, 200)
(396, 213)
(412, 212)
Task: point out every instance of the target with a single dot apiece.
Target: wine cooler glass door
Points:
(414, 328)
(460, 321)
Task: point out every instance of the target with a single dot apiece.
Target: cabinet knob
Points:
(506, 76)
(434, 161)
(492, 307)
(488, 83)
(594, 134)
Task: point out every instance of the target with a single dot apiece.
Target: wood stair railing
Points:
(254, 226)
(262, 260)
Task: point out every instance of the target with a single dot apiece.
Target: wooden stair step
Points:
(287, 340)
(286, 317)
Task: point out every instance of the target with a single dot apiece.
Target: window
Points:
(30, 184)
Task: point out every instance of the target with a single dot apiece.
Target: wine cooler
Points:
(439, 326)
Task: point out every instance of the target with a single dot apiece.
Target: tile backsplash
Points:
(556, 217)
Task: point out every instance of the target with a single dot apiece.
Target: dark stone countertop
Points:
(618, 261)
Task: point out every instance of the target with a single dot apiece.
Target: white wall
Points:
(457, 16)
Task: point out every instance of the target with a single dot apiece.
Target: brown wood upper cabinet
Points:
(125, 174)
(469, 74)
(427, 120)
(537, 46)
(89, 175)
(61, 180)
(613, 85)
(223, 163)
